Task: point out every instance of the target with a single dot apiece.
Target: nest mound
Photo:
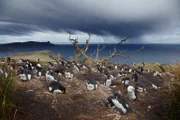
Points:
(35, 102)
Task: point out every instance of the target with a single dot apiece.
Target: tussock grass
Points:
(6, 90)
(176, 71)
(172, 96)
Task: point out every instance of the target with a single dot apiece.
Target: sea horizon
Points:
(163, 53)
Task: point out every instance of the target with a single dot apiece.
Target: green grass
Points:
(44, 55)
(7, 87)
(155, 66)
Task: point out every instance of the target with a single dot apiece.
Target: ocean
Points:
(164, 53)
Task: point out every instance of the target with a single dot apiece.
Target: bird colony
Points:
(112, 75)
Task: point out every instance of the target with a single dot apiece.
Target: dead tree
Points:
(77, 50)
(89, 61)
(97, 51)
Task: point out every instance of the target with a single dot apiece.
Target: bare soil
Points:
(34, 102)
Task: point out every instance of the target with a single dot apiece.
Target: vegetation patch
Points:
(172, 96)
(7, 87)
(44, 55)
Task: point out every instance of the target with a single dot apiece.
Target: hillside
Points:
(30, 44)
(33, 101)
(44, 55)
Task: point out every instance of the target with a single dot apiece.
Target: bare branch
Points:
(130, 55)
(87, 43)
(138, 50)
(143, 62)
(89, 61)
(115, 50)
(77, 50)
(98, 50)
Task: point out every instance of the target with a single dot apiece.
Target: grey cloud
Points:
(11, 28)
(116, 17)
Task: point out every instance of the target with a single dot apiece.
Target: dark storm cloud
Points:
(116, 17)
(10, 28)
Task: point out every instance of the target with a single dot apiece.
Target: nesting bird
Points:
(157, 73)
(132, 92)
(91, 85)
(55, 87)
(68, 77)
(49, 77)
(139, 70)
(25, 74)
(125, 80)
(39, 71)
(134, 77)
(140, 87)
(108, 82)
(119, 102)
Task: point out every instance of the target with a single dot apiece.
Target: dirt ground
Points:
(34, 102)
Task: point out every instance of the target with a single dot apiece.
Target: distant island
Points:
(30, 44)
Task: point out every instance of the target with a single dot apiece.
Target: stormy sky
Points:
(147, 21)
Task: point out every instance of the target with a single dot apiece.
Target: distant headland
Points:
(30, 44)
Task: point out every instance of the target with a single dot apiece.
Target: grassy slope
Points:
(155, 66)
(44, 55)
